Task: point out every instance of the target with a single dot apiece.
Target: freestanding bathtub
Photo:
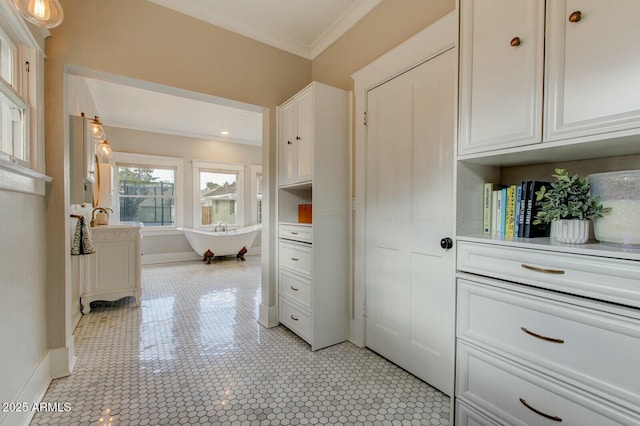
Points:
(224, 243)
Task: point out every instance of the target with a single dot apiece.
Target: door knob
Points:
(575, 16)
(446, 243)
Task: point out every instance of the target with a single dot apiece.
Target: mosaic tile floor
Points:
(193, 353)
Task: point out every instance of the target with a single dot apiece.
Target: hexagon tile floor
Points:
(194, 353)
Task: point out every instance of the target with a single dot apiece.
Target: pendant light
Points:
(43, 13)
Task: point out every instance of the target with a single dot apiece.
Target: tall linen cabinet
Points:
(313, 258)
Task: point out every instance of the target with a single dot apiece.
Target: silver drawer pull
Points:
(543, 270)
(294, 233)
(293, 318)
(295, 259)
(294, 289)
(539, 336)
(540, 413)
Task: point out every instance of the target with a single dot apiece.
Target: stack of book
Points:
(510, 210)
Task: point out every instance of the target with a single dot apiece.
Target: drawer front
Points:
(295, 288)
(601, 278)
(468, 416)
(295, 318)
(520, 397)
(296, 232)
(295, 257)
(585, 345)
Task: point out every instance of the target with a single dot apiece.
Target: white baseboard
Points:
(184, 256)
(61, 361)
(268, 316)
(31, 393)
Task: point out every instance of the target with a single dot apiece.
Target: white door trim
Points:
(432, 41)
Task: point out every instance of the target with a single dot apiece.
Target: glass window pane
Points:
(147, 195)
(7, 53)
(12, 125)
(218, 197)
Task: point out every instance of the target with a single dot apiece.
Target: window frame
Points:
(255, 171)
(23, 92)
(214, 166)
(123, 159)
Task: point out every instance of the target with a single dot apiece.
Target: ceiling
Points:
(176, 113)
(301, 27)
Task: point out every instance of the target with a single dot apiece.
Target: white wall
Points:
(167, 247)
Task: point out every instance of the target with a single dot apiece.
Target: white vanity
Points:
(114, 271)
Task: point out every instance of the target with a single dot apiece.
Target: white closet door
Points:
(409, 209)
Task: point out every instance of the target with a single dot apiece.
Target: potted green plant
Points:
(570, 205)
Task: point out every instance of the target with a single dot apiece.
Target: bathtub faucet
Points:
(221, 227)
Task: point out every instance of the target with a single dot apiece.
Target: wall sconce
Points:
(104, 149)
(43, 13)
(101, 145)
(96, 129)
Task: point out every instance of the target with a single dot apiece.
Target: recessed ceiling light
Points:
(224, 133)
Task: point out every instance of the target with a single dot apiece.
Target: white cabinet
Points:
(313, 259)
(526, 355)
(592, 79)
(590, 60)
(501, 70)
(545, 331)
(296, 139)
(116, 269)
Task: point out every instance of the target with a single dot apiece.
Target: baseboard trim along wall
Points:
(27, 402)
(268, 316)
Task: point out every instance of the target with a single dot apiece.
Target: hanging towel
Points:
(82, 242)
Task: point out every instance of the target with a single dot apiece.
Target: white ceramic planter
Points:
(572, 231)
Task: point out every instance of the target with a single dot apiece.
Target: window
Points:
(14, 105)
(218, 194)
(148, 189)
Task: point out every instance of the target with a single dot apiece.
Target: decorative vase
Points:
(572, 231)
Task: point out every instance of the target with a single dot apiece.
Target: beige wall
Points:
(387, 26)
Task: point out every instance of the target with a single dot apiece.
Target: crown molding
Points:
(357, 11)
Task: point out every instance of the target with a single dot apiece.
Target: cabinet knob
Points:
(446, 243)
(297, 138)
(575, 16)
(288, 142)
(515, 42)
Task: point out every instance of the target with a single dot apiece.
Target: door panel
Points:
(305, 136)
(409, 202)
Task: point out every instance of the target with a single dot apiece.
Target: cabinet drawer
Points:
(468, 416)
(520, 397)
(296, 318)
(295, 257)
(295, 287)
(602, 278)
(296, 232)
(589, 347)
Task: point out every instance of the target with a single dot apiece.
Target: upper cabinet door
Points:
(287, 143)
(501, 72)
(304, 136)
(593, 67)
